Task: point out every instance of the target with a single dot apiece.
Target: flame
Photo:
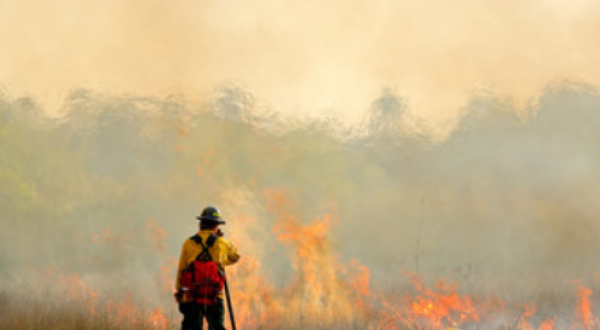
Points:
(528, 312)
(319, 290)
(548, 324)
(167, 276)
(359, 283)
(123, 312)
(322, 288)
(584, 310)
(322, 291)
(77, 290)
(158, 320)
(252, 296)
(442, 307)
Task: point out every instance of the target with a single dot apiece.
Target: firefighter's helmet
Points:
(211, 214)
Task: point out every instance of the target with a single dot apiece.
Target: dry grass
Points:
(21, 312)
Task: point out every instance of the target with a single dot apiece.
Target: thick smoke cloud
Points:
(114, 186)
(310, 56)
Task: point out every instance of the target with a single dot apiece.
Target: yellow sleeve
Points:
(231, 254)
(182, 265)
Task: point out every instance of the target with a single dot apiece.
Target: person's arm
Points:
(231, 254)
(181, 267)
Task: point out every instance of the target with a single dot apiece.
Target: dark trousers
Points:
(193, 315)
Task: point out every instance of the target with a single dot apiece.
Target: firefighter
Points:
(207, 244)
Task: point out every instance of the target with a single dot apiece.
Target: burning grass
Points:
(323, 293)
(22, 313)
(411, 306)
(69, 302)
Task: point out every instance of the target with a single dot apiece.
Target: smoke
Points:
(310, 57)
(504, 194)
(454, 141)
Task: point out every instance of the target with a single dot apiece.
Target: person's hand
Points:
(219, 233)
(178, 295)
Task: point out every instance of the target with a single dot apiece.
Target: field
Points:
(401, 308)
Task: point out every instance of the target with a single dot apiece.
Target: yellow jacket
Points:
(222, 252)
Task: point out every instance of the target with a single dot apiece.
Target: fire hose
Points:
(228, 296)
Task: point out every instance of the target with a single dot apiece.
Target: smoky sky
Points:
(309, 57)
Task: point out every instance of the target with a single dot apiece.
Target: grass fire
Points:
(263, 165)
(372, 231)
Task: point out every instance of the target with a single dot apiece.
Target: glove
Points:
(178, 296)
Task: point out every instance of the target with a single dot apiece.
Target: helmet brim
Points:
(205, 219)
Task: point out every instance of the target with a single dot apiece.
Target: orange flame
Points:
(158, 320)
(548, 324)
(584, 310)
(442, 307)
(323, 290)
(529, 311)
(320, 289)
